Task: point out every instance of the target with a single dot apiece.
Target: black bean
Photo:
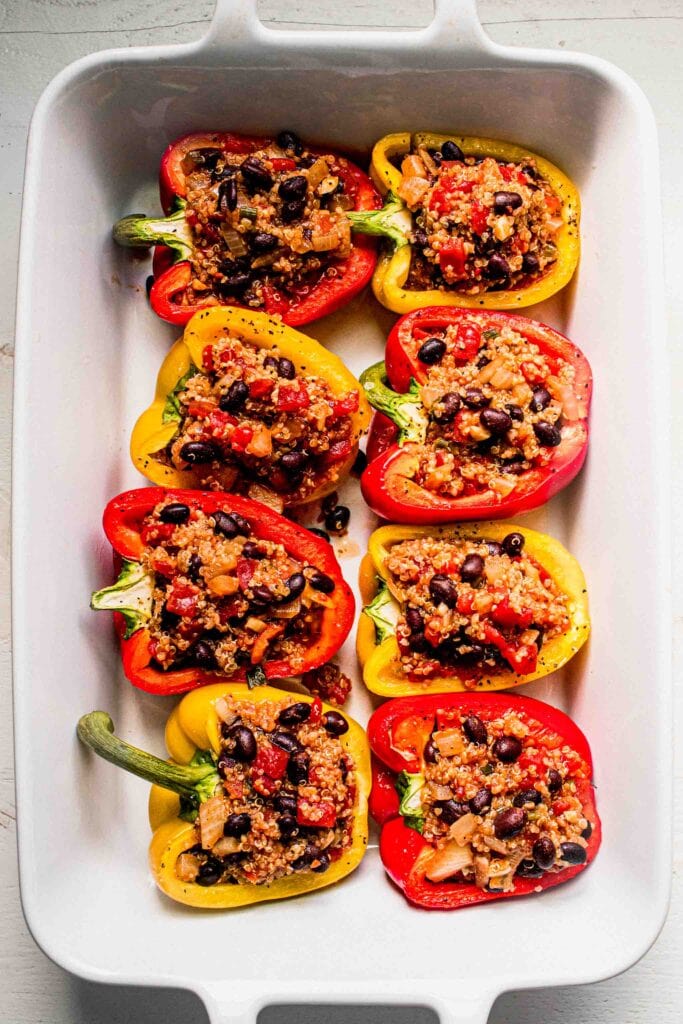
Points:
(450, 407)
(319, 533)
(310, 854)
(495, 421)
(515, 413)
(335, 724)
(296, 584)
(419, 238)
(286, 369)
(288, 825)
(475, 730)
(244, 744)
(225, 524)
(431, 351)
(528, 869)
(505, 202)
(253, 551)
(337, 520)
(262, 594)
(297, 769)
(587, 832)
(474, 398)
(199, 452)
(255, 173)
(527, 796)
(572, 853)
(323, 864)
(451, 151)
(285, 803)
(224, 763)
(547, 434)
(292, 211)
(321, 581)
(202, 656)
(509, 822)
(227, 195)
(430, 752)
(193, 566)
(512, 544)
(555, 781)
(293, 462)
(530, 263)
(442, 590)
(209, 872)
(414, 620)
(451, 810)
(507, 749)
(472, 568)
(494, 548)
(235, 284)
(270, 362)
(540, 399)
(295, 713)
(176, 512)
(481, 801)
(293, 188)
(497, 267)
(237, 825)
(262, 242)
(543, 852)
(285, 741)
(290, 142)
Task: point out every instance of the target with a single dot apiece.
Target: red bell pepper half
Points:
(400, 730)
(122, 521)
(173, 271)
(399, 425)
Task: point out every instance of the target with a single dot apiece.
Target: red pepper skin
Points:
(122, 523)
(402, 849)
(393, 496)
(328, 295)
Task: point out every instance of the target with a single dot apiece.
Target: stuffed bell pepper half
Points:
(480, 797)
(244, 403)
(256, 222)
(480, 415)
(471, 222)
(265, 795)
(482, 606)
(216, 586)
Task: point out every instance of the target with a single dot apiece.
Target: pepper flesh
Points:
(194, 727)
(153, 431)
(387, 483)
(381, 662)
(397, 732)
(392, 271)
(122, 522)
(324, 297)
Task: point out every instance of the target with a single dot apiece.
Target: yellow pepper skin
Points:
(394, 266)
(381, 664)
(151, 434)
(194, 725)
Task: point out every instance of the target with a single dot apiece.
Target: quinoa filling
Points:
(286, 803)
(496, 406)
(498, 801)
(481, 224)
(222, 599)
(472, 607)
(267, 226)
(248, 422)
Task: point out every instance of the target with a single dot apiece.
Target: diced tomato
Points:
(337, 452)
(506, 172)
(522, 658)
(263, 784)
(162, 564)
(452, 257)
(522, 178)
(478, 217)
(292, 398)
(182, 599)
(207, 358)
(234, 606)
(320, 815)
(154, 533)
(316, 710)
(245, 570)
(261, 388)
(240, 438)
(220, 422)
(345, 406)
(271, 761)
(553, 205)
(504, 614)
(200, 407)
(468, 342)
(464, 603)
(533, 374)
(560, 806)
(283, 163)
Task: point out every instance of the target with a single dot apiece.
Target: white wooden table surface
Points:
(37, 39)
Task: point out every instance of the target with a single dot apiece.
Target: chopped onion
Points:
(317, 172)
(234, 241)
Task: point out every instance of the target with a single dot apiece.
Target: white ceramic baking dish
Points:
(88, 348)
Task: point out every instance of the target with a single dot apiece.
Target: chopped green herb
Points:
(256, 677)
(172, 406)
(490, 334)
(487, 769)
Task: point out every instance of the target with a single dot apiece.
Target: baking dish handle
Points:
(237, 27)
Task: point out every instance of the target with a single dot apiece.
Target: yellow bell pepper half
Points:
(192, 730)
(376, 644)
(158, 425)
(392, 270)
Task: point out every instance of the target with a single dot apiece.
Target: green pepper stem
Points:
(407, 411)
(194, 782)
(383, 612)
(393, 221)
(139, 232)
(132, 595)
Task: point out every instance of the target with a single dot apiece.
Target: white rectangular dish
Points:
(87, 352)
